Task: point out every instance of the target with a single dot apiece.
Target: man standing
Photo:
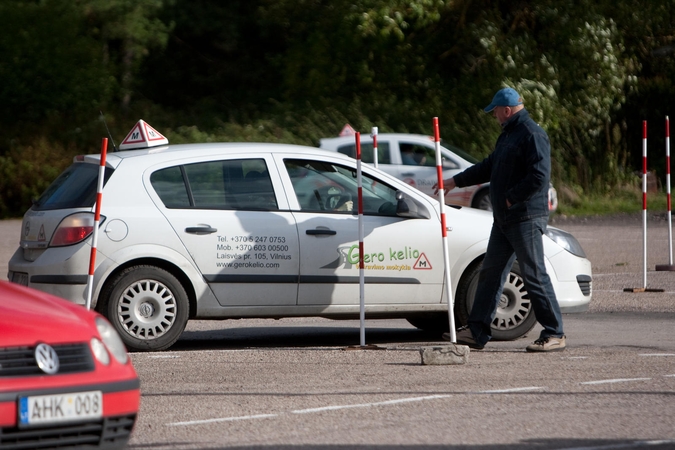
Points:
(519, 171)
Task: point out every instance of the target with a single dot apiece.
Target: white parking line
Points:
(506, 391)
(404, 400)
(616, 380)
(356, 405)
(367, 405)
(657, 354)
(222, 419)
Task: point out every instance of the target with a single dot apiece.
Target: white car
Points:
(242, 230)
(412, 158)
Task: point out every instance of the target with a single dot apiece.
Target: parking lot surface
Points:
(295, 383)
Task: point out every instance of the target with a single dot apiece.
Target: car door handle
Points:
(321, 232)
(408, 174)
(205, 229)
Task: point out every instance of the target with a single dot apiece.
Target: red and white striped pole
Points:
(669, 266)
(670, 219)
(362, 297)
(644, 203)
(97, 220)
(373, 133)
(444, 231)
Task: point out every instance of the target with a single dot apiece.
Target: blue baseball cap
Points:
(505, 97)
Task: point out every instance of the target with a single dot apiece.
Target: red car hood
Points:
(24, 311)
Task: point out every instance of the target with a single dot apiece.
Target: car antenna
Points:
(108, 130)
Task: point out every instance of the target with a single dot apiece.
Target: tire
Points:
(147, 306)
(482, 200)
(514, 317)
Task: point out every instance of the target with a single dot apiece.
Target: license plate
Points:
(47, 409)
(20, 278)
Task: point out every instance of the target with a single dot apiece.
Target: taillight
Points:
(73, 229)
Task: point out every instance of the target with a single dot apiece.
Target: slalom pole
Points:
(97, 220)
(644, 204)
(373, 133)
(362, 297)
(444, 232)
(644, 216)
(668, 266)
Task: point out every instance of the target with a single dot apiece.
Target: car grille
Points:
(585, 283)
(20, 361)
(112, 432)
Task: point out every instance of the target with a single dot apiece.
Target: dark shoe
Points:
(547, 344)
(464, 337)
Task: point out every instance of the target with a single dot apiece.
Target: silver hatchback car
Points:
(217, 231)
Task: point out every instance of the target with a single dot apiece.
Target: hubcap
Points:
(514, 304)
(147, 309)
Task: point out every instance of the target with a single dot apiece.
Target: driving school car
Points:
(65, 377)
(247, 230)
(412, 158)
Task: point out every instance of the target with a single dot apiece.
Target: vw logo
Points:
(47, 359)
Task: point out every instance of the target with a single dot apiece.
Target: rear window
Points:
(74, 188)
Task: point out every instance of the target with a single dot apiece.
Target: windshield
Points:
(74, 188)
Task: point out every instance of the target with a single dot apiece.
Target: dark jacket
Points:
(519, 169)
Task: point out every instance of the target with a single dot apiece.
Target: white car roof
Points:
(335, 141)
(181, 151)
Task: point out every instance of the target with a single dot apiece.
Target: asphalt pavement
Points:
(297, 383)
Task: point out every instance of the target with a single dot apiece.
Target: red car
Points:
(65, 377)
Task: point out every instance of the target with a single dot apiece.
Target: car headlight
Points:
(566, 241)
(98, 348)
(112, 340)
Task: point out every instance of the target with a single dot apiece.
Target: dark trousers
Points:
(522, 240)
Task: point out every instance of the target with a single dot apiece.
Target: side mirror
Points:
(410, 208)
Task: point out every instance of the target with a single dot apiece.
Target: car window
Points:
(367, 152)
(242, 184)
(413, 154)
(74, 188)
(170, 186)
(331, 188)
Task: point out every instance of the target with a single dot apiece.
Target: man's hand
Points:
(448, 185)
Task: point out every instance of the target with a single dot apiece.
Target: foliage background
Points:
(298, 70)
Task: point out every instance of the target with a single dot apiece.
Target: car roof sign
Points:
(347, 130)
(143, 135)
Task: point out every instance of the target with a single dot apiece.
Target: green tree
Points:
(128, 31)
(50, 66)
(568, 62)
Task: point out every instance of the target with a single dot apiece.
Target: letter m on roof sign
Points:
(143, 135)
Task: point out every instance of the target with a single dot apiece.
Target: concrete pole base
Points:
(448, 354)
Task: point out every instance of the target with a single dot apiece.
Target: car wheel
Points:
(514, 317)
(147, 305)
(482, 200)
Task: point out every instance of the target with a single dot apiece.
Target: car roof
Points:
(392, 136)
(180, 151)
